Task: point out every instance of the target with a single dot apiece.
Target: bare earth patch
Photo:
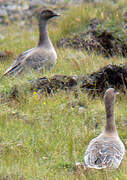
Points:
(97, 82)
(95, 40)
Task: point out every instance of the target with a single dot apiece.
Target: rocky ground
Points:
(21, 10)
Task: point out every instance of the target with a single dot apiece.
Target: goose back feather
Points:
(106, 150)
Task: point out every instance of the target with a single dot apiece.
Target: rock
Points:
(13, 10)
(42, 2)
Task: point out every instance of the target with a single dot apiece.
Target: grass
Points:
(77, 19)
(41, 137)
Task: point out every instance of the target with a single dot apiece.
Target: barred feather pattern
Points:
(104, 152)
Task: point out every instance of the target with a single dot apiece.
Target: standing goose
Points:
(106, 150)
(43, 56)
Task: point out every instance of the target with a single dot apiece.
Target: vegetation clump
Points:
(97, 82)
(100, 42)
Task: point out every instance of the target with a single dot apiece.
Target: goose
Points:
(106, 150)
(43, 56)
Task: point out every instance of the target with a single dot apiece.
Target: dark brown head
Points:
(47, 14)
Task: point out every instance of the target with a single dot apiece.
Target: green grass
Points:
(77, 19)
(41, 137)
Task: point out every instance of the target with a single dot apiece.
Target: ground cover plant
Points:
(42, 135)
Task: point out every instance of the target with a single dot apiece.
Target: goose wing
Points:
(17, 65)
(41, 58)
(104, 153)
(35, 58)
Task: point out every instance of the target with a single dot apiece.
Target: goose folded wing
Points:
(17, 65)
(103, 154)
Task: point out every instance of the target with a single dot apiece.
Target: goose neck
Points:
(43, 34)
(110, 118)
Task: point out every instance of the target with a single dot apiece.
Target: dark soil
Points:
(95, 83)
(109, 76)
(95, 40)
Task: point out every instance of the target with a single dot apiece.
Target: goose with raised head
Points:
(43, 56)
(106, 150)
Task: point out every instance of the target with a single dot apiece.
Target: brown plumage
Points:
(43, 56)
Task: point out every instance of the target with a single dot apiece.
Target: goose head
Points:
(47, 14)
(110, 95)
